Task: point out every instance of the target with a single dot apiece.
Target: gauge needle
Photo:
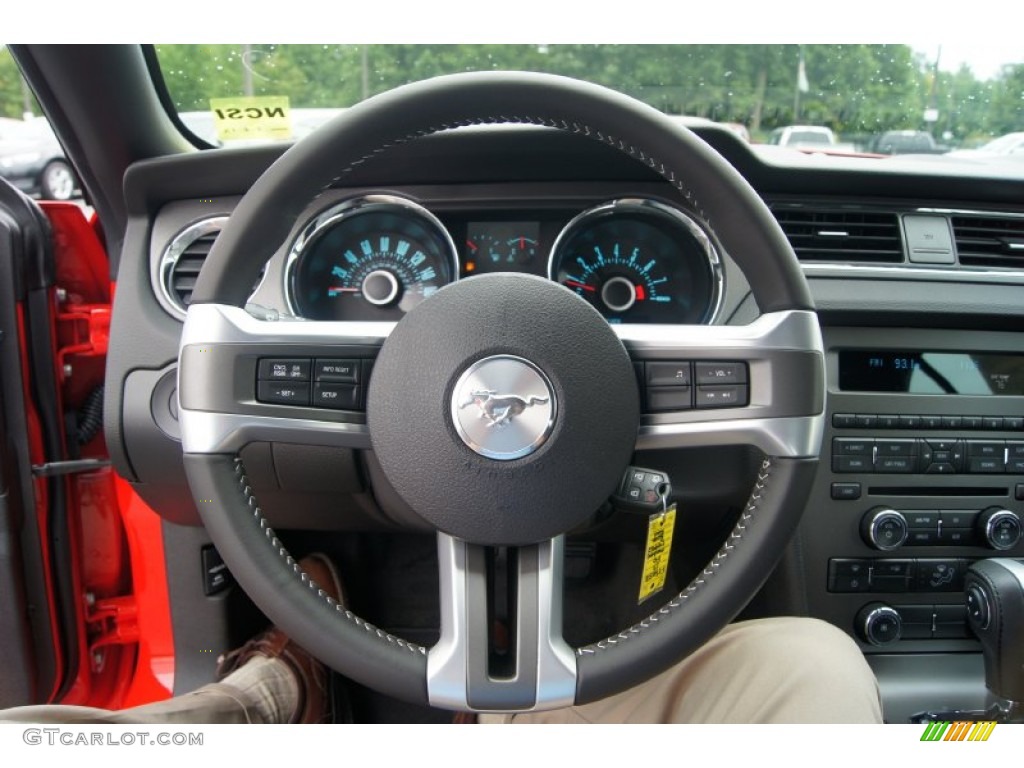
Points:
(343, 290)
(577, 284)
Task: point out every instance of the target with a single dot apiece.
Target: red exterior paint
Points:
(123, 626)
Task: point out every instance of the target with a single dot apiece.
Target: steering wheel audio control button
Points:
(503, 407)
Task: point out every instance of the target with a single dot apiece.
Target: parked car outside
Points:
(32, 159)
(1007, 144)
(906, 143)
(802, 136)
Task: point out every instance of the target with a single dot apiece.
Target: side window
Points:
(31, 158)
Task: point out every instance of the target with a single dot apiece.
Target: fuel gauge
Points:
(501, 246)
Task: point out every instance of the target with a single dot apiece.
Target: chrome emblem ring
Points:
(503, 407)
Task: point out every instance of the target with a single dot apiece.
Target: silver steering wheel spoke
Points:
(223, 399)
(538, 668)
(780, 408)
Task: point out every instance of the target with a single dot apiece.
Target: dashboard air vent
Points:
(183, 259)
(989, 241)
(847, 236)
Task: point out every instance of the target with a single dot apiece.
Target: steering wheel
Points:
(566, 445)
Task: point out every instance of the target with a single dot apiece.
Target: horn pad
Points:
(503, 410)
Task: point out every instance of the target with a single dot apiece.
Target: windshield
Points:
(962, 99)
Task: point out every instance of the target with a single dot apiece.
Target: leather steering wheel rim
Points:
(716, 192)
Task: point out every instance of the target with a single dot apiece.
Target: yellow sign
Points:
(657, 552)
(252, 118)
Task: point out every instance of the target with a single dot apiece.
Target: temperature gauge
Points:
(502, 246)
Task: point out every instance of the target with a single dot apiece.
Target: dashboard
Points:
(373, 257)
(916, 271)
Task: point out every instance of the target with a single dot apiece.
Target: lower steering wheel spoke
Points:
(760, 384)
(501, 647)
(243, 379)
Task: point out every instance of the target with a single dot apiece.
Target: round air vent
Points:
(182, 260)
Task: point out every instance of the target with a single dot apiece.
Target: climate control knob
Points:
(884, 528)
(879, 624)
(999, 528)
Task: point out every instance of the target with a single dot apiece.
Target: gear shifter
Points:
(995, 612)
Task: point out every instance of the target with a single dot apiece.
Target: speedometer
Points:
(639, 261)
(371, 258)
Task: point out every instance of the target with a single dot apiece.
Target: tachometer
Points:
(639, 261)
(371, 258)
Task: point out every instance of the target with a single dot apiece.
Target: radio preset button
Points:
(843, 420)
(888, 421)
(992, 422)
(865, 420)
(910, 422)
(931, 422)
(972, 422)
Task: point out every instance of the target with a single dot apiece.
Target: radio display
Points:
(931, 373)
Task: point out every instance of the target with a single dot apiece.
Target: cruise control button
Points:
(729, 396)
(274, 369)
(282, 393)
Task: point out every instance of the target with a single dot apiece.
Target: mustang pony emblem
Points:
(498, 410)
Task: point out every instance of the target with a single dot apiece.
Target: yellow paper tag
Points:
(252, 117)
(657, 552)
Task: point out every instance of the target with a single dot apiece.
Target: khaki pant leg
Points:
(780, 670)
(214, 703)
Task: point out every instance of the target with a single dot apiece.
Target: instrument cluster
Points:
(635, 260)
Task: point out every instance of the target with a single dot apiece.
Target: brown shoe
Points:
(313, 678)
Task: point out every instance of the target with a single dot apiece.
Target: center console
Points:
(922, 473)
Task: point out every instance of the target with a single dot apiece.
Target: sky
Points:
(984, 59)
(971, 32)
